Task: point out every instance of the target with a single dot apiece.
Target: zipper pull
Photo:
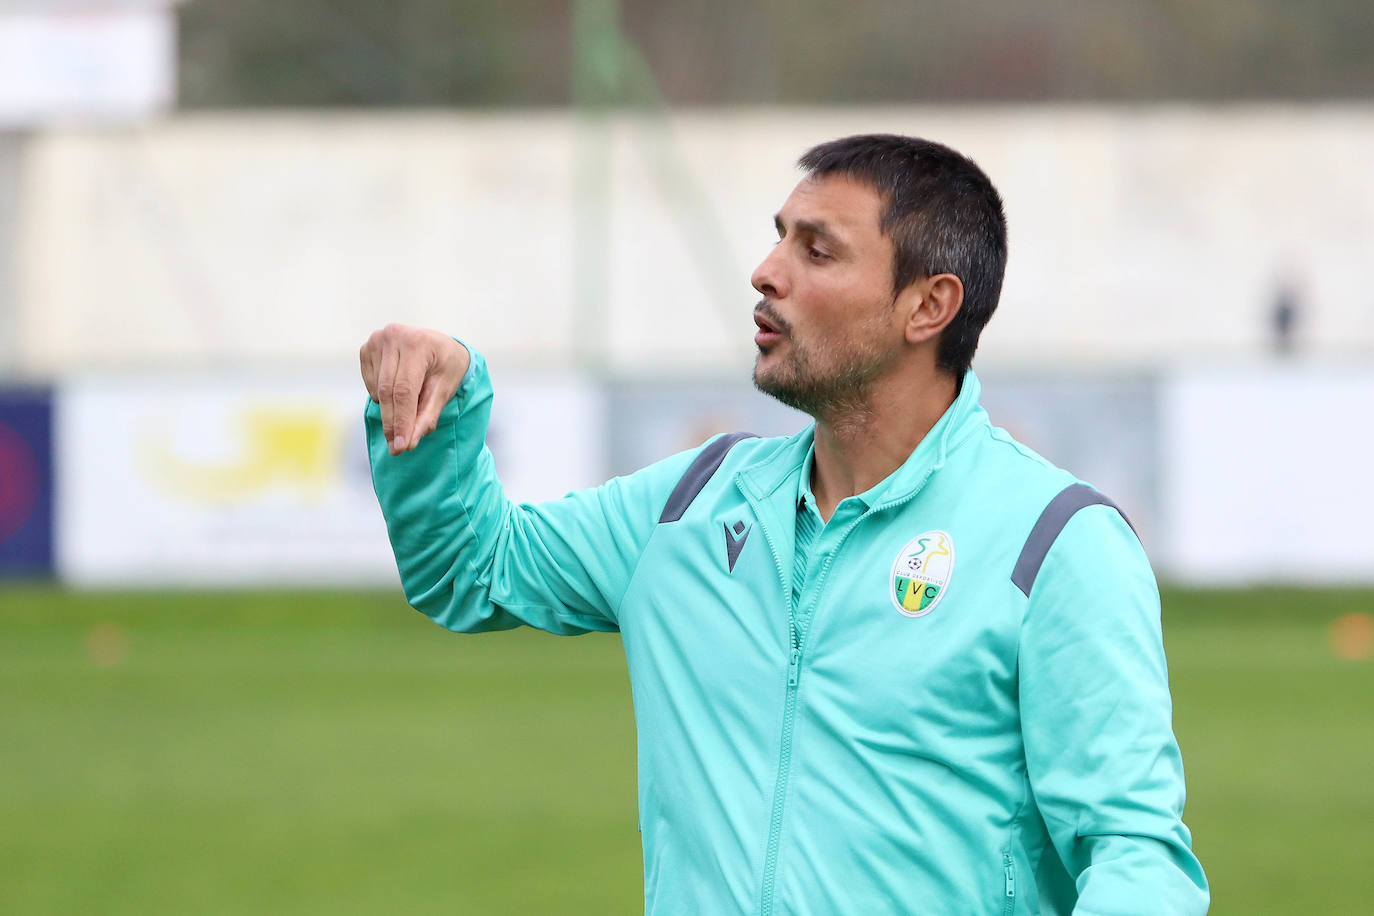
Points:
(794, 667)
(1010, 869)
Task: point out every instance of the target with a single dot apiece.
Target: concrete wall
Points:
(11, 150)
(1140, 237)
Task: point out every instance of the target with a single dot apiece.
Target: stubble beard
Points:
(829, 383)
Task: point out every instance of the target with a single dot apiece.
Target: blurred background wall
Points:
(206, 207)
(1141, 237)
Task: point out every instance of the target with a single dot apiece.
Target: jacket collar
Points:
(785, 464)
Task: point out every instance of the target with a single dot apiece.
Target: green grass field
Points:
(324, 753)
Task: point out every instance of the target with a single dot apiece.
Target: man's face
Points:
(828, 325)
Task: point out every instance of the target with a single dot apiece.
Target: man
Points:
(896, 663)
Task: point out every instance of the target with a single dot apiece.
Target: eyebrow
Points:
(814, 227)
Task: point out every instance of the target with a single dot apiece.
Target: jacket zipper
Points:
(789, 713)
(1009, 870)
(789, 717)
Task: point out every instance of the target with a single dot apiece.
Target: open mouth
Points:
(769, 332)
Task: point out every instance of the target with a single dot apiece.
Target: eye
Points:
(816, 254)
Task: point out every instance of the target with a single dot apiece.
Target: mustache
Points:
(765, 308)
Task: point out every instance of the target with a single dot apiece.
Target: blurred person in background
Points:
(894, 663)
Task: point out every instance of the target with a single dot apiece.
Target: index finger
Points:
(386, 377)
(405, 395)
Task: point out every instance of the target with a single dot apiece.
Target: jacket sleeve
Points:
(473, 561)
(1101, 755)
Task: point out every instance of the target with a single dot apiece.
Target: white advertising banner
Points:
(91, 61)
(1266, 475)
(238, 480)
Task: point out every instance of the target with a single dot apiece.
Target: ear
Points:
(931, 304)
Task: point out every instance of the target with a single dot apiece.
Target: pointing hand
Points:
(411, 373)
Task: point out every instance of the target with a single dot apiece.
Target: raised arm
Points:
(469, 558)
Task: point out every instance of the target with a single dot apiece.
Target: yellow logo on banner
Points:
(293, 447)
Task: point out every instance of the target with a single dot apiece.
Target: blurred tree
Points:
(360, 52)
(518, 52)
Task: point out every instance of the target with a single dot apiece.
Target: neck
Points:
(860, 443)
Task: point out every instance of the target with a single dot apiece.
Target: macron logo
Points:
(734, 542)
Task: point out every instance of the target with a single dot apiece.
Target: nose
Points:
(768, 277)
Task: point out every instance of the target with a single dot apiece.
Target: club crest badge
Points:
(921, 572)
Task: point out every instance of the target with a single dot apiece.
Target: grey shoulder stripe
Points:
(698, 472)
(1052, 521)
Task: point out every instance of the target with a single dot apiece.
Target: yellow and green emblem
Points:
(921, 572)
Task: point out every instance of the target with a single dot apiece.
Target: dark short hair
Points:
(943, 216)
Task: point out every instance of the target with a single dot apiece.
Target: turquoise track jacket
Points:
(966, 711)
